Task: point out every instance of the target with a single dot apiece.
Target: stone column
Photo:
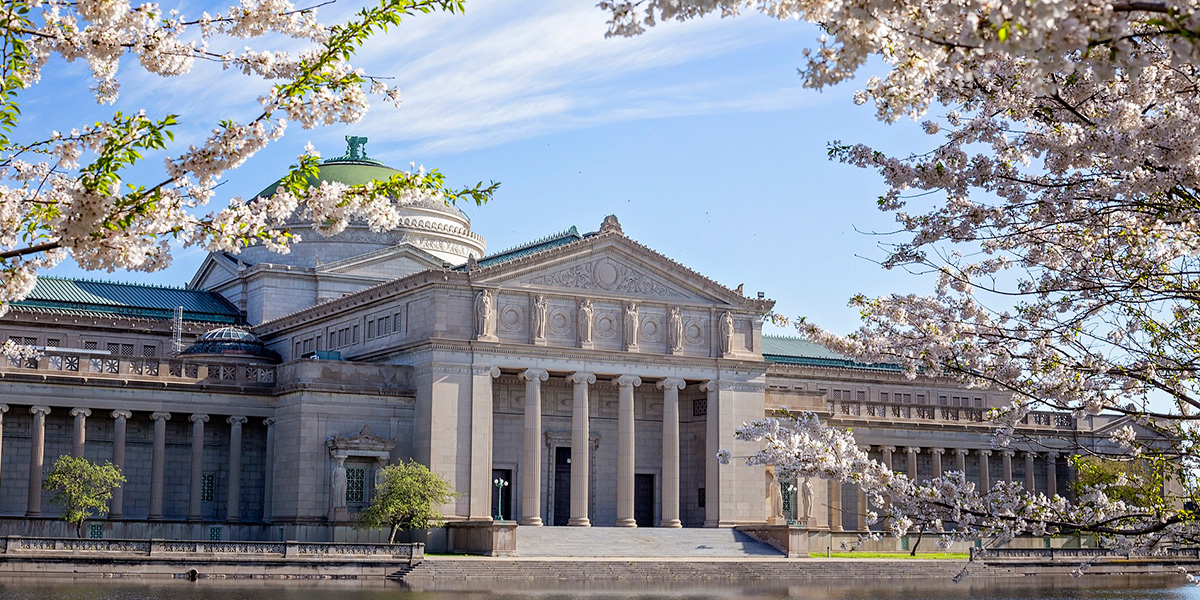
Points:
(479, 501)
(835, 505)
(117, 510)
(985, 480)
(531, 463)
(960, 460)
(937, 460)
(1030, 481)
(1006, 465)
(712, 444)
(887, 451)
(1052, 474)
(580, 442)
(198, 421)
(37, 455)
(625, 450)
(157, 464)
(912, 451)
(268, 470)
(79, 433)
(670, 451)
(233, 507)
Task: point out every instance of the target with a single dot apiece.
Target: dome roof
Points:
(231, 341)
(440, 229)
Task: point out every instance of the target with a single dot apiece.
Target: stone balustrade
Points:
(1075, 554)
(104, 365)
(31, 546)
(943, 414)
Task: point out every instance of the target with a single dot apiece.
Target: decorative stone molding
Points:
(607, 275)
(563, 438)
(485, 370)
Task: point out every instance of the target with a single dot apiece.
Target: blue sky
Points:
(698, 136)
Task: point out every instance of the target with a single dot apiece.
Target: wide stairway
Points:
(631, 542)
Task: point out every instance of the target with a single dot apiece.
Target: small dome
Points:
(231, 341)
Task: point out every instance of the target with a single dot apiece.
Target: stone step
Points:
(638, 542)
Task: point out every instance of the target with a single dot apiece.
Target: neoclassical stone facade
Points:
(593, 377)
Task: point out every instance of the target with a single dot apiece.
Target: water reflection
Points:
(1031, 588)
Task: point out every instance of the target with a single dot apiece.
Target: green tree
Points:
(82, 488)
(407, 497)
(1137, 481)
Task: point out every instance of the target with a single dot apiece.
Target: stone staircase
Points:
(632, 542)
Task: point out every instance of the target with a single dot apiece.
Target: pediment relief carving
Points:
(607, 275)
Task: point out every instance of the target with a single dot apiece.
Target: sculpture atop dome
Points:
(356, 151)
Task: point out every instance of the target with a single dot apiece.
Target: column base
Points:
(626, 523)
(672, 523)
(579, 522)
(532, 521)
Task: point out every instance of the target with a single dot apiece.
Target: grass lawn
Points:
(900, 555)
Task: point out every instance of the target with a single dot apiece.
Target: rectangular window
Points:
(354, 339)
(700, 407)
(860, 395)
(385, 326)
(979, 403)
(149, 351)
(96, 531)
(208, 487)
(920, 398)
(53, 342)
(126, 349)
(114, 349)
(396, 323)
(89, 345)
(30, 341)
(308, 345)
(700, 498)
(371, 329)
(356, 479)
(905, 398)
(883, 396)
(214, 534)
(942, 400)
(298, 350)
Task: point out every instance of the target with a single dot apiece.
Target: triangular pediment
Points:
(217, 268)
(385, 264)
(608, 265)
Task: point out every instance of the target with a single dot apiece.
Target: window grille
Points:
(700, 407)
(89, 345)
(208, 487)
(53, 342)
(149, 351)
(356, 479)
(114, 349)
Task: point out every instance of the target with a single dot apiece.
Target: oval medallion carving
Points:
(560, 323)
(606, 325)
(693, 333)
(510, 318)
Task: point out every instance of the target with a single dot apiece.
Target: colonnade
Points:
(158, 459)
(531, 481)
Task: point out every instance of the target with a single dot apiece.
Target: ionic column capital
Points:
(1008, 453)
(3, 408)
(1052, 455)
(581, 377)
(1029, 454)
(269, 422)
(937, 450)
(161, 416)
(198, 418)
(121, 414)
(236, 420)
(887, 449)
(962, 451)
(671, 382)
(85, 412)
(535, 374)
(984, 452)
(912, 449)
(42, 410)
(629, 381)
(486, 370)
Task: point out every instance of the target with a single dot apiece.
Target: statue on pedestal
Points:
(806, 492)
(585, 321)
(483, 314)
(540, 306)
(675, 329)
(631, 324)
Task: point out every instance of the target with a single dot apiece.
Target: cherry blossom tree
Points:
(1057, 204)
(74, 192)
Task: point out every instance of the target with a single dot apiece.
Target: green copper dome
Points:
(349, 172)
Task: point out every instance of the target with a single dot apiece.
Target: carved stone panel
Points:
(607, 275)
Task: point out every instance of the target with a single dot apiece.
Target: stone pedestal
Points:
(486, 538)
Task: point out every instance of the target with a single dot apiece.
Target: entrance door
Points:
(502, 507)
(562, 485)
(643, 500)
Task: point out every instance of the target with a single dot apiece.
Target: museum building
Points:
(580, 379)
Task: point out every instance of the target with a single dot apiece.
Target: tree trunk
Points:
(79, 529)
(918, 543)
(392, 539)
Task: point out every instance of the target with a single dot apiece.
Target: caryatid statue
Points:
(484, 321)
(540, 305)
(585, 321)
(806, 492)
(631, 324)
(675, 329)
(726, 327)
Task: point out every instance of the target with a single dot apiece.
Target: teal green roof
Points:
(91, 298)
(349, 172)
(553, 241)
(796, 351)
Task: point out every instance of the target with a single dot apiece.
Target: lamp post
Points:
(500, 485)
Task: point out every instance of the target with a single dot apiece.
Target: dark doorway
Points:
(502, 507)
(562, 485)
(643, 500)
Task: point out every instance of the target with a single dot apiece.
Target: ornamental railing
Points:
(104, 365)
(1073, 554)
(890, 411)
(30, 546)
